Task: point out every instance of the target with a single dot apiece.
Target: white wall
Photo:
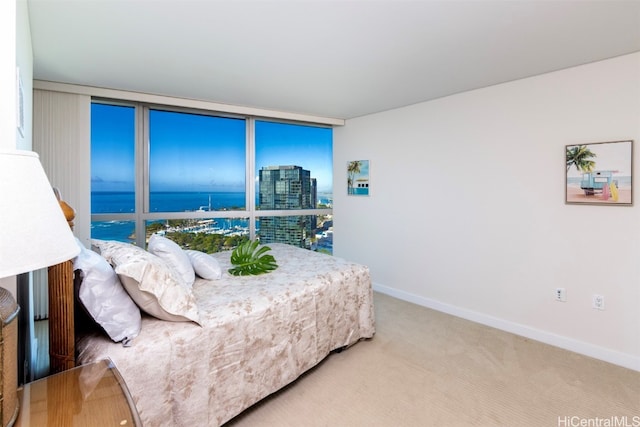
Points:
(467, 214)
(15, 53)
(24, 62)
(8, 74)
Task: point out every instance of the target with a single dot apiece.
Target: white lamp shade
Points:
(33, 230)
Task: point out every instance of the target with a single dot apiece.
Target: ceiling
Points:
(338, 59)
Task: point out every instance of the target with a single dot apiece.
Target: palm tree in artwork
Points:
(580, 157)
(353, 168)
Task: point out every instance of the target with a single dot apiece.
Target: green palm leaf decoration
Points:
(248, 259)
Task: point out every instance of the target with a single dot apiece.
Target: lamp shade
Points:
(33, 230)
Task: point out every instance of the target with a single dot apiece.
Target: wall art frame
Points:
(599, 173)
(358, 178)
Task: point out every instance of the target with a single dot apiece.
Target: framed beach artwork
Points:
(599, 173)
(358, 178)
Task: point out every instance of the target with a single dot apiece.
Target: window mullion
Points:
(251, 176)
(142, 172)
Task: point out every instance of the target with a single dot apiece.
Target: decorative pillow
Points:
(173, 255)
(104, 298)
(110, 248)
(204, 265)
(151, 283)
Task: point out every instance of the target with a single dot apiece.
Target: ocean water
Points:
(121, 231)
(124, 202)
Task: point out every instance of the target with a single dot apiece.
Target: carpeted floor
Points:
(426, 368)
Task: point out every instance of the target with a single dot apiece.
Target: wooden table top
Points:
(88, 395)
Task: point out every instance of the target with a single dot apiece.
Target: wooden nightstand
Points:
(88, 395)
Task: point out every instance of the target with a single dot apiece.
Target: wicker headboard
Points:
(61, 308)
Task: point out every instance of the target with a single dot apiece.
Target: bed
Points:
(252, 336)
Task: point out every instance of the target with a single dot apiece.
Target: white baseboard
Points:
(617, 358)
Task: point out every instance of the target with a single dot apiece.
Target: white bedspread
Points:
(258, 334)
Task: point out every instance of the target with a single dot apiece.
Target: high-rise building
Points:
(287, 188)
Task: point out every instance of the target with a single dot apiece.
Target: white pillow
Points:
(104, 298)
(173, 255)
(204, 265)
(151, 283)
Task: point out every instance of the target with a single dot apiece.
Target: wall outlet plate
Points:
(561, 294)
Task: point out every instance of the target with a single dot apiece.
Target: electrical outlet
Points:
(598, 302)
(561, 294)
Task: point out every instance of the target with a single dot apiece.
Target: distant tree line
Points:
(205, 242)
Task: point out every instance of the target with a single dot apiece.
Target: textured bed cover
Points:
(258, 334)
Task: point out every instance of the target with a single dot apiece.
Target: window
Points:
(112, 158)
(294, 170)
(196, 162)
(184, 174)
(113, 170)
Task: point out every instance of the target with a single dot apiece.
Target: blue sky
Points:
(112, 148)
(190, 152)
(284, 144)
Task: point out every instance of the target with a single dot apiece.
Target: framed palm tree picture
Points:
(358, 178)
(599, 173)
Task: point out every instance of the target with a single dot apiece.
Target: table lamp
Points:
(33, 234)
